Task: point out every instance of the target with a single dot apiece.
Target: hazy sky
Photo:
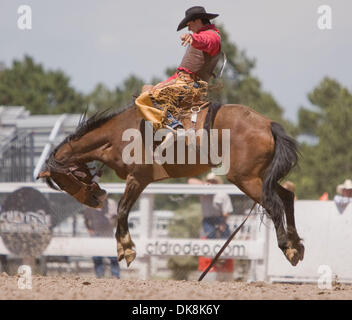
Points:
(105, 41)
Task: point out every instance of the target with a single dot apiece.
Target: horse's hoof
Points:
(120, 254)
(301, 252)
(292, 255)
(130, 255)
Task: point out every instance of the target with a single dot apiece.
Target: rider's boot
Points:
(168, 141)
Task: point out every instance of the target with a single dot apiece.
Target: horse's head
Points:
(75, 179)
(66, 169)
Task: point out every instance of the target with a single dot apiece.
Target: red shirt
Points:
(205, 40)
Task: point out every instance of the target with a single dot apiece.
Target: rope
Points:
(225, 245)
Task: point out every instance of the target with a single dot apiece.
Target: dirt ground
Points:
(76, 287)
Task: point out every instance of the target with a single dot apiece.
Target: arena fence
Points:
(327, 237)
(17, 158)
(165, 227)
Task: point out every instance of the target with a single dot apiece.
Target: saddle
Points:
(190, 119)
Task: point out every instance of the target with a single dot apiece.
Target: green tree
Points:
(40, 91)
(238, 86)
(130, 88)
(102, 98)
(327, 163)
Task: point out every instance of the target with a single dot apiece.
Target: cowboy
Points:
(189, 84)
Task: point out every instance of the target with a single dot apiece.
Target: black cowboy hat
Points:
(195, 13)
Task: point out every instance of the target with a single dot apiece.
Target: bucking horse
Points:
(261, 154)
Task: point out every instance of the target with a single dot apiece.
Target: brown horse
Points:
(260, 155)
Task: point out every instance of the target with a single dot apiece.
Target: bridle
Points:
(78, 188)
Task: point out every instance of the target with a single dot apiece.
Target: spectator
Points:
(345, 189)
(324, 197)
(344, 195)
(101, 223)
(215, 209)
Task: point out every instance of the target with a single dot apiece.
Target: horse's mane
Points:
(93, 122)
(84, 126)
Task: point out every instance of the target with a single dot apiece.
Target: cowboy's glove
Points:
(186, 39)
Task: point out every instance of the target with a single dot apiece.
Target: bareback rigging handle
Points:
(223, 65)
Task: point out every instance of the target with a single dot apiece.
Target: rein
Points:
(78, 181)
(225, 245)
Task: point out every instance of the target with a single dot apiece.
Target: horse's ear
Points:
(44, 174)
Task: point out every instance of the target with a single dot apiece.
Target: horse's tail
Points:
(285, 158)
